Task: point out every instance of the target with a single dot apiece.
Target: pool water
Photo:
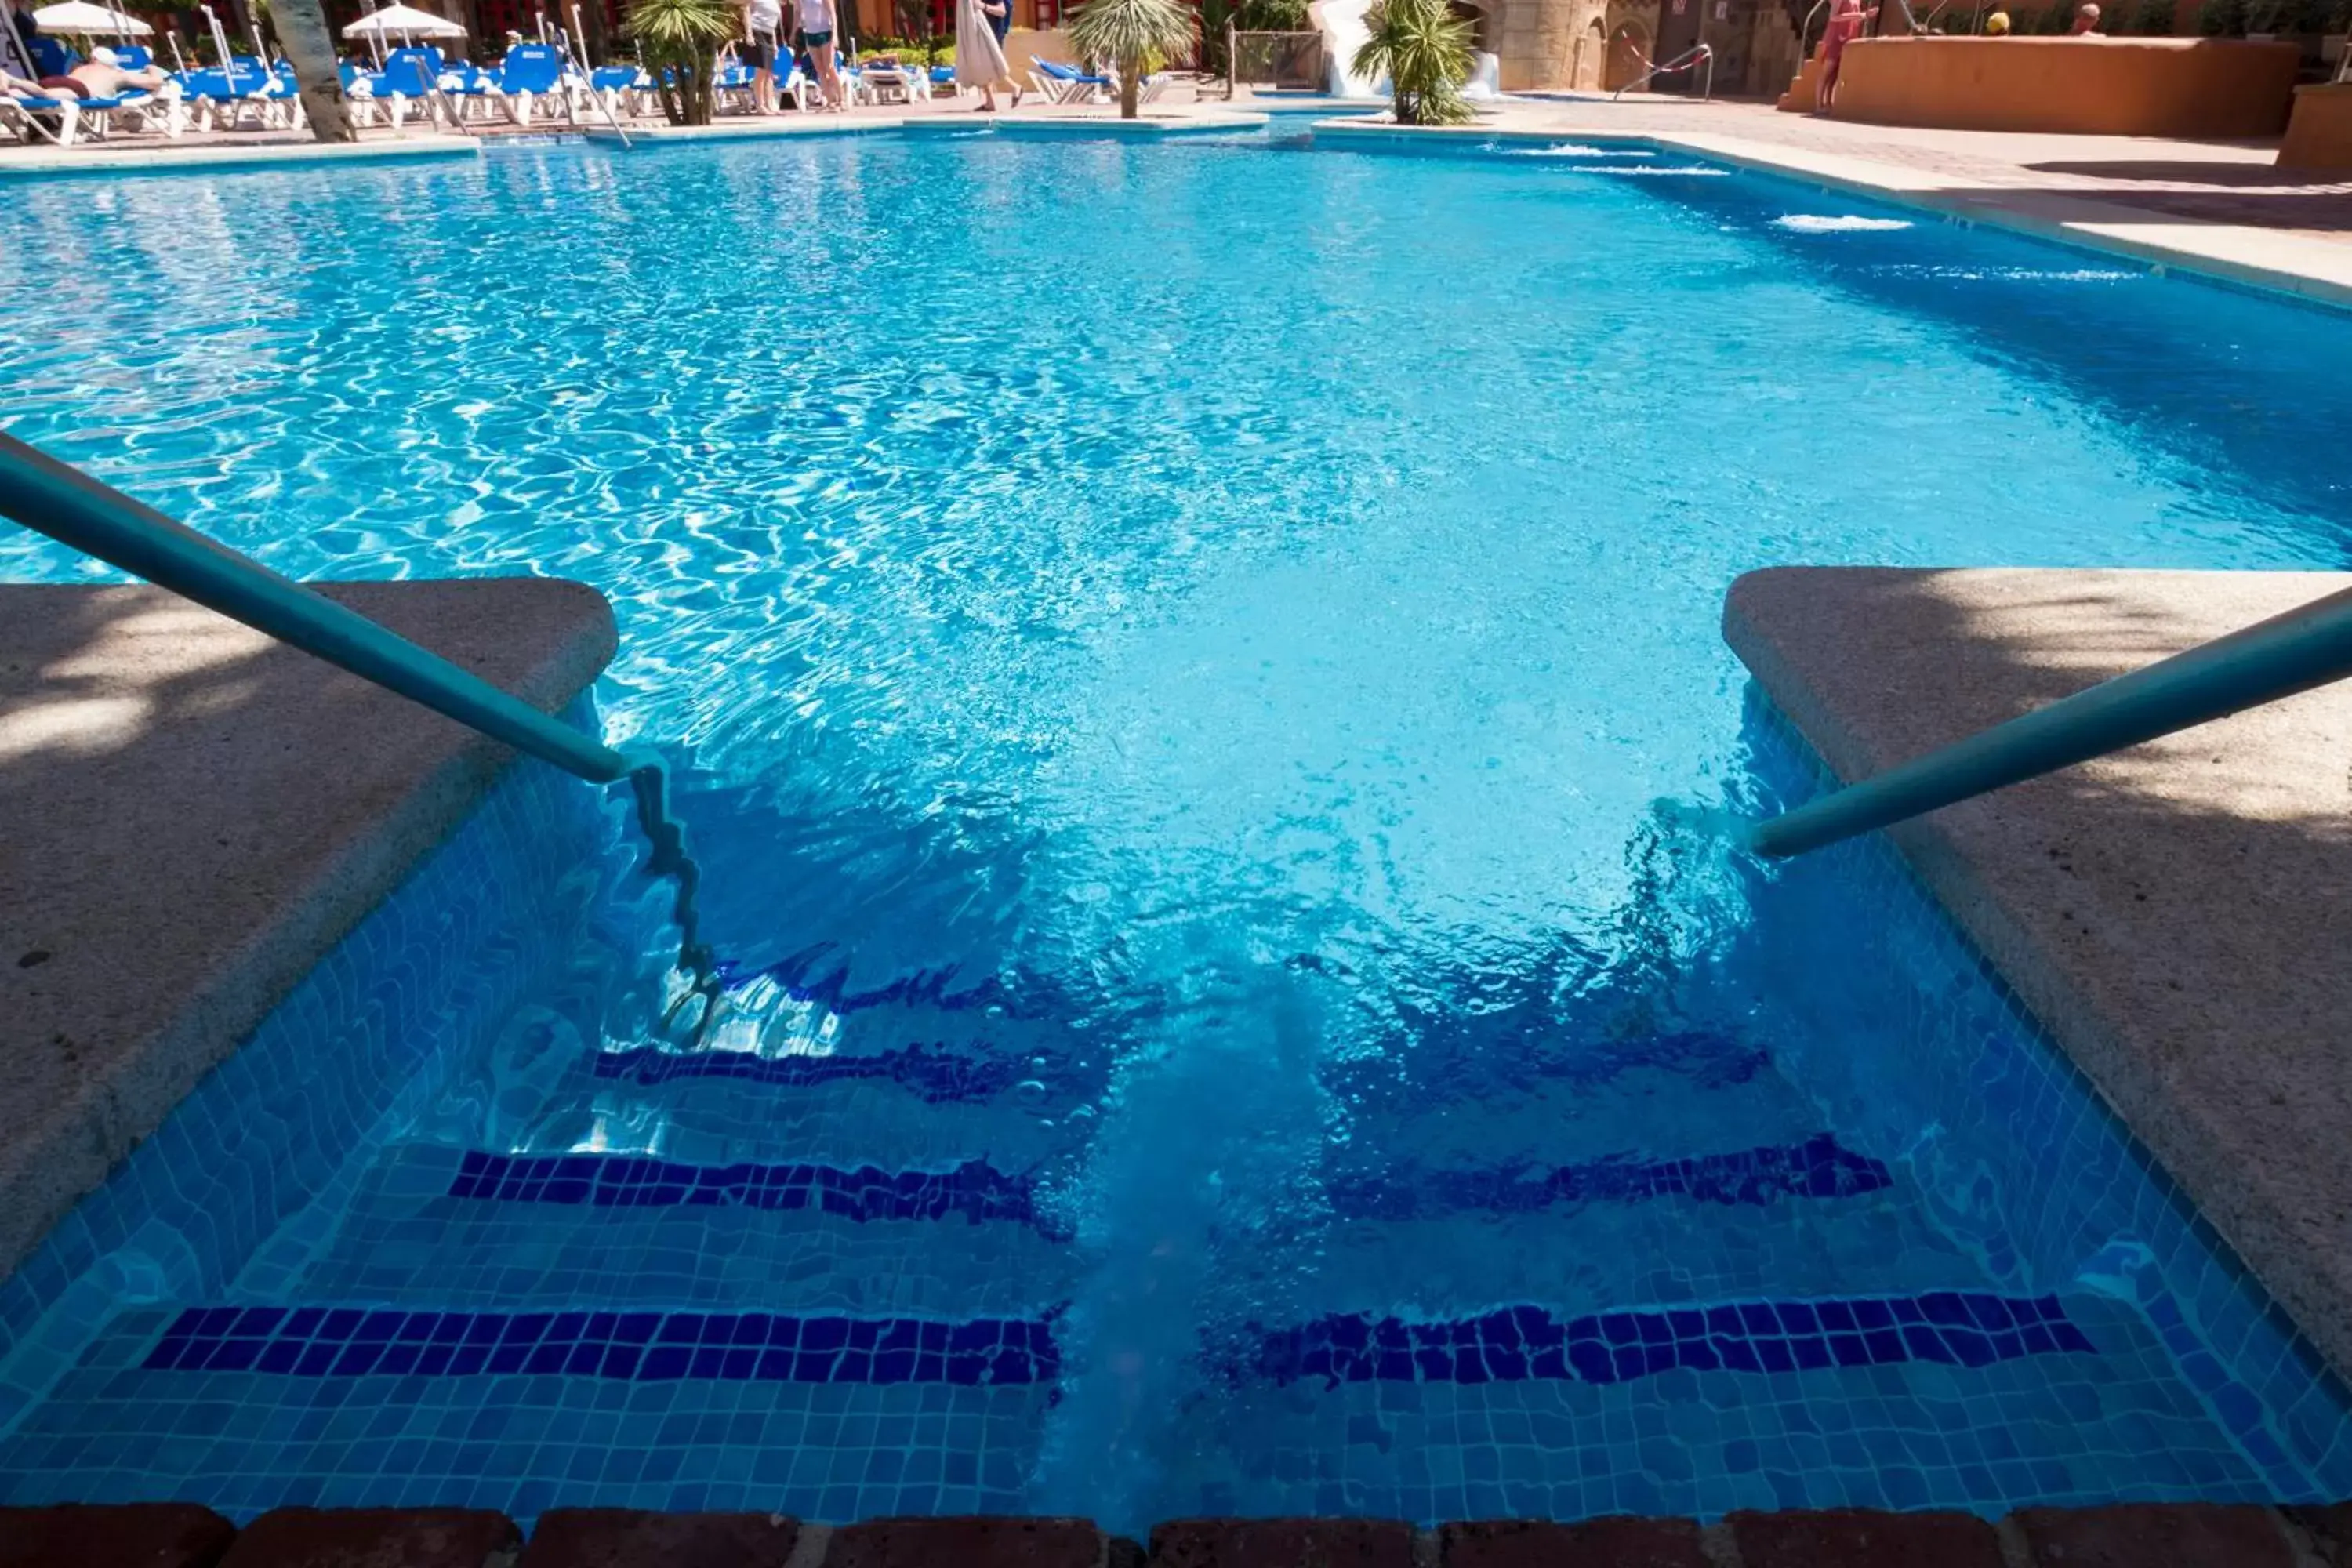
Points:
(1173, 658)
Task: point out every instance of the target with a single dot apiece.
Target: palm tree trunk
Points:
(302, 33)
(1130, 81)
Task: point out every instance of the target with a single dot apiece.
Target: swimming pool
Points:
(1171, 656)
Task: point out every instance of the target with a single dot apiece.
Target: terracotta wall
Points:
(2320, 135)
(2117, 86)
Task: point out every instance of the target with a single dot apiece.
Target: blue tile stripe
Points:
(1516, 1344)
(934, 1072)
(1817, 1168)
(974, 1191)
(639, 1347)
(796, 973)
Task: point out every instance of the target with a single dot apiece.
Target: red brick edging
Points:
(184, 1535)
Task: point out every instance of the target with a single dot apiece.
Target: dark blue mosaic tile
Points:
(974, 1191)
(797, 975)
(934, 1072)
(1517, 1344)
(638, 1347)
(1817, 1168)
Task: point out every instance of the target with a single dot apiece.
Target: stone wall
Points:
(1547, 44)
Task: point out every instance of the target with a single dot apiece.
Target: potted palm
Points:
(679, 43)
(1135, 35)
(1424, 51)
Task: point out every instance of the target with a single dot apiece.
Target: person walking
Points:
(981, 29)
(763, 23)
(1847, 20)
(819, 26)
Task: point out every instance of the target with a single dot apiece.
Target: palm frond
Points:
(1131, 33)
(1424, 51)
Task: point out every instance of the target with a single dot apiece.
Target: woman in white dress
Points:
(980, 27)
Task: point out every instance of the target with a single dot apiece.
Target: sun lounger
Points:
(531, 74)
(1067, 84)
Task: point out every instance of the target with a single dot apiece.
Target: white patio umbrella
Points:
(402, 22)
(80, 19)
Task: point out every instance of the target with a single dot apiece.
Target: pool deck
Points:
(2176, 915)
(196, 814)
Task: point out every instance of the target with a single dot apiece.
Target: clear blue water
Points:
(1197, 635)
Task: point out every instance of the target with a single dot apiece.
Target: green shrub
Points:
(682, 38)
(2155, 18)
(2223, 19)
(1136, 35)
(1424, 51)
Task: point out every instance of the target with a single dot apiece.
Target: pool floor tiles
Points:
(2117, 1422)
(115, 1430)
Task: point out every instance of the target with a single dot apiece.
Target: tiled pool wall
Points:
(246, 1174)
(2021, 1156)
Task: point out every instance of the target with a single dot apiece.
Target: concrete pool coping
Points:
(2175, 915)
(2266, 259)
(220, 157)
(198, 814)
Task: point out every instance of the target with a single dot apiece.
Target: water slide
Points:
(1341, 23)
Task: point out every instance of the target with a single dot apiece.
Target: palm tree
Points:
(309, 44)
(1424, 49)
(1135, 35)
(679, 43)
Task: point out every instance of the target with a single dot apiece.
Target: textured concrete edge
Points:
(75, 163)
(2080, 1029)
(261, 972)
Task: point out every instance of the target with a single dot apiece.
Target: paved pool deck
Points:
(195, 815)
(2177, 915)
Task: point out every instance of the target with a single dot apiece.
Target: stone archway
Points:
(1629, 53)
(1592, 53)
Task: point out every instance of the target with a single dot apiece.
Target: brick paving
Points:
(177, 1535)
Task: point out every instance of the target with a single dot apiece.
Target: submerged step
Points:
(736, 1347)
(973, 1191)
(452, 1227)
(1515, 1344)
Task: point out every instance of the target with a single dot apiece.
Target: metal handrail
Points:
(68, 506)
(2307, 646)
(1806, 28)
(1684, 61)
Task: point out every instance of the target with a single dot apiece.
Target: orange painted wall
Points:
(2117, 86)
(2320, 134)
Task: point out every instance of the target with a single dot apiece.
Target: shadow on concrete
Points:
(193, 815)
(2214, 172)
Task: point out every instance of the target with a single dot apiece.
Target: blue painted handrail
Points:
(68, 506)
(2306, 646)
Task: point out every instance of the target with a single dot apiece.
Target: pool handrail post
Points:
(2307, 646)
(57, 499)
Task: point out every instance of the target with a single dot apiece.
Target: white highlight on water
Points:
(1811, 223)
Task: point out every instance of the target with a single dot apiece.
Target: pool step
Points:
(1907, 1401)
(463, 1229)
(478, 1229)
